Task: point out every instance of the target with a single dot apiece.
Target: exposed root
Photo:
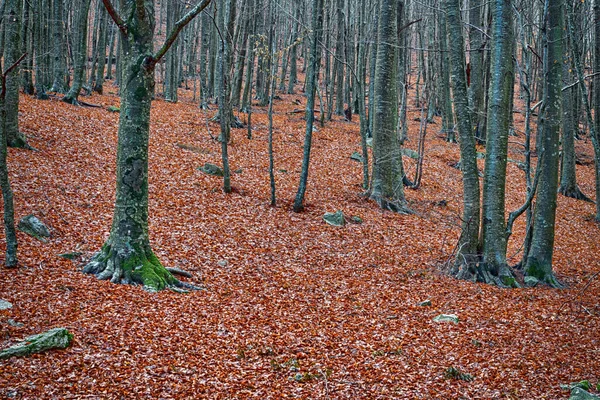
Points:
(396, 206)
(129, 265)
(235, 121)
(574, 192)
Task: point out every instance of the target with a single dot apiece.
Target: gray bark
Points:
(494, 268)
(79, 50)
(467, 253)
(539, 260)
(12, 52)
(59, 65)
(126, 256)
(311, 87)
(387, 187)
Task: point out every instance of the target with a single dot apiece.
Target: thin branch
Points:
(8, 71)
(512, 217)
(578, 81)
(115, 16)
(175, 32)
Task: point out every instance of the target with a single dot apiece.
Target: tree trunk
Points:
(387, 188)
(126, 257)
(7, 194)
(59, 66)
(79, 51)
(311, 87)
(494, 268)
(539, 260)
(12, 52)
(465, 266)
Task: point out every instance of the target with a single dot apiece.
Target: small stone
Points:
(356, 156)
(14, 323)
(32, 226)
(335, 219)
(211, 169)
(113, 109)
(5, 305)
(426, 303)
(531, 281)
(579, 394)
(71, 256)
(223, 263)
(446, 318)
(357, 220)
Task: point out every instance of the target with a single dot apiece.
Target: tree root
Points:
(396, 206)
(132, 265)
(574, 192)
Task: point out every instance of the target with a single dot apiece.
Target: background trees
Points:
(378, 60)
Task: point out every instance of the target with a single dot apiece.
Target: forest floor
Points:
(292, 307)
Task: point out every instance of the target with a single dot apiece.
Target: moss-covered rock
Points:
(211, 169)
(57, 338)
(32, 226)
(335, 219)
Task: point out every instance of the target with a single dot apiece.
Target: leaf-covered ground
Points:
(293, 307)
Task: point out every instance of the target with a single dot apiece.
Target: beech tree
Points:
(126, 256)
(12, 52)
(539, 259)
(387, 187)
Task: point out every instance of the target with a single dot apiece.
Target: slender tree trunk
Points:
(7, 194)
(539, 260)
(12, 52)
(597, 101)
(101, 51)
(311, 87)
(79, 51)
(465, 266)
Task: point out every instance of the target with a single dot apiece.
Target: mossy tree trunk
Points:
(59, 65)
(467, 253)
(539, 260)
(126, 257)
(387, 187)
(12, 52)
(494, 268)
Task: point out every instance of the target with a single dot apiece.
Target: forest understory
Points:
(292, 307)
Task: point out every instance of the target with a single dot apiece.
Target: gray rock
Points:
(335, 219)
(426, 303)
(71, 256)
(57, 338)
(14, 323)
(32, 226)
(579, 394)
(410, 153)
(5, 305)
(356, 156)
(531, 281)
(211, 169)
(446, 318)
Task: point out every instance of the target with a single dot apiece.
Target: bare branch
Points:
(115, 16)
(8, 71)
(197, 9)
